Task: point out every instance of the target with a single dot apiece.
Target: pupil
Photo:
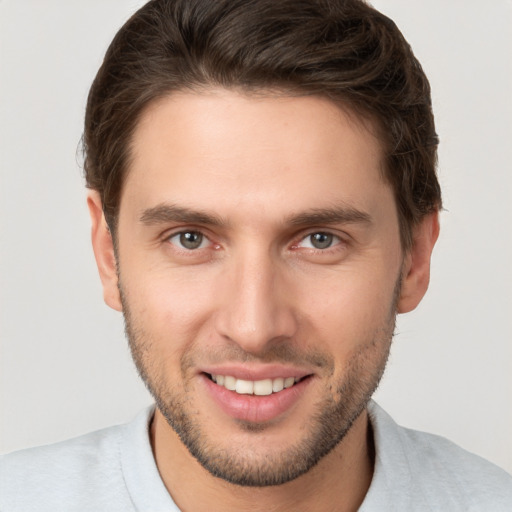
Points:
(321, 240)
(191, 240)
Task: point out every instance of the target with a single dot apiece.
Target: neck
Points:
(338, 482)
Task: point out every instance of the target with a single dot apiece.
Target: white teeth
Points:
(289, 382)
(278, 385)
(244, 387)
(263, 387)
(230, 383)
(258, 387)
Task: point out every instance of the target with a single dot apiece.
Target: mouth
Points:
(263, 387)
(269, 395)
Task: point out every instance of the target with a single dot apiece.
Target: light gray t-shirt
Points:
(114, 470)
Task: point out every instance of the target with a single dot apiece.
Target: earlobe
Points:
(416, 269)
(103, 247)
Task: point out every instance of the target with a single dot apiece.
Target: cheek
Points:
(170, 307)
(350, 308)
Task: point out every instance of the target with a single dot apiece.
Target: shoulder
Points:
(78, 474)
(435, 471)
(450, 471)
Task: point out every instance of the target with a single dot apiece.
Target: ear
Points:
(103, 247)
(416, 270)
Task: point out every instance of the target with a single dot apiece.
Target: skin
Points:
(257, 293)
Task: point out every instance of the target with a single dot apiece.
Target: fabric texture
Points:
(114, 470)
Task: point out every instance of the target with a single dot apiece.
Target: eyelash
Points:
(183, 232)
(336, 241)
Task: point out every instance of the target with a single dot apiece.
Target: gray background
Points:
(65, 368)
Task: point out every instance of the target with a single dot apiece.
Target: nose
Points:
(255, 303)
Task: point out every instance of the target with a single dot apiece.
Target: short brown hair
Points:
(340, 49)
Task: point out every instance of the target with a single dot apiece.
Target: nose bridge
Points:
(254, 310)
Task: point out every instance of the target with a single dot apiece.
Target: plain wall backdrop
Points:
(65, 368)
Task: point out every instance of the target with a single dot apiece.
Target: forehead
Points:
(220, 148)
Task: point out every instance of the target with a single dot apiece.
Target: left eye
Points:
(189, 240)
(319, 240)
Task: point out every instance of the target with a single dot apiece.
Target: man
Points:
(263, 201)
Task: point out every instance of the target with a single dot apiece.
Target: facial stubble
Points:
(333, 417)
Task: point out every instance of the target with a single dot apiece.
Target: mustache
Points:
(280, 353)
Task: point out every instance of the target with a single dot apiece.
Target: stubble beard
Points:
(333, 418)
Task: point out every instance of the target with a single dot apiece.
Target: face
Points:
(259, 263)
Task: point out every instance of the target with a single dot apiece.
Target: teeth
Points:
(230, 383)
(258, 387)
(244, 387)
(277, 385)
(263, 387)
(289, 382)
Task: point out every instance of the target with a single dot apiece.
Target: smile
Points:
(254, 387)
(256, 395)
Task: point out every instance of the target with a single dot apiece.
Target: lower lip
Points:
(253, 408)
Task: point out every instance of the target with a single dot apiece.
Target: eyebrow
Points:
(164, 213)
(335, 215)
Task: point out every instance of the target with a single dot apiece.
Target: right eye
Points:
(319, 240)
(189, 240)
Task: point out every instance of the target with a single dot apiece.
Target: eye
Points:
(319, 240)
(189, 240)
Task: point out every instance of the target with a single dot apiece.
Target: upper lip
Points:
(255, 373)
